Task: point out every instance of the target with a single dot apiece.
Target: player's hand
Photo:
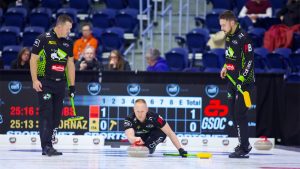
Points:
(138, 141)
(83, 65)
(238, 84)
(223, 72)
(182, 152)
(113, 63)
(72, 91)
(37, 85)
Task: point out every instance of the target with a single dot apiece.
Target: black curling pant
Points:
(50, 107)
(238, 111)
(153, 138)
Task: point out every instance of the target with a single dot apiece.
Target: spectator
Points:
(88, 60)
(253, 10)
(155, 62)
(87, 39)
(22, 61)
(117, 62)
(290, 14)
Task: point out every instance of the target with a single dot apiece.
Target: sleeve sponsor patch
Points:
(247, 48)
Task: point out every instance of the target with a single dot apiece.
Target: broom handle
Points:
(71, 98)
(234, 83)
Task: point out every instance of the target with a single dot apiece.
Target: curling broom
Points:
(245, 94)
(75, 117)
(205, 155)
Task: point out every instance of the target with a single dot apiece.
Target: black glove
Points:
(182, 152)
(72, 91)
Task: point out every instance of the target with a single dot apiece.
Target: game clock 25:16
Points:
(24, 111)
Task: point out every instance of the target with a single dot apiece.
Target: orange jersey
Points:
(81, 44)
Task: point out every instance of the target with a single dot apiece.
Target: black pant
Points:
(50, 105)
(238, 111)
(153, 138)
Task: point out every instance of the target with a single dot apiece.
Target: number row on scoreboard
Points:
(152, 101)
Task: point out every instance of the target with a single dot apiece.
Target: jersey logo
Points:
(58, 68)
(234, 42)
(230, 67)
(52, 42)
(230, 53)
(66, 44)
(36, 43)
(59, 55)
(241, 35)
(48, 35)
(54, 56)
(149, 126)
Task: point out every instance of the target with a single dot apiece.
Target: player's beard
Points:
(229, 32)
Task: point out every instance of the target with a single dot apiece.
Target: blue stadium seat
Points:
(1, 14)
(15, 16)
(259, 63)
(295, 62)
(52, 4)
(293, 78)
(177, 59)
(72, 13)
(30, 34)
(115, 4)
(240, 4)
(283, 51)
(257, 35)
(276, 63)
(221, 54)
(277, 4)
(69, 11)
(103, 18)
(223, 4)
(261, 51)
(82, 6)
(40, 17)
(10, 53)
(296, 41)
(9, 35)
(196, 40)
(112, 38)
(211, 62)
(212, 20)
(136, 4)
(127, 19)
(97, 32)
